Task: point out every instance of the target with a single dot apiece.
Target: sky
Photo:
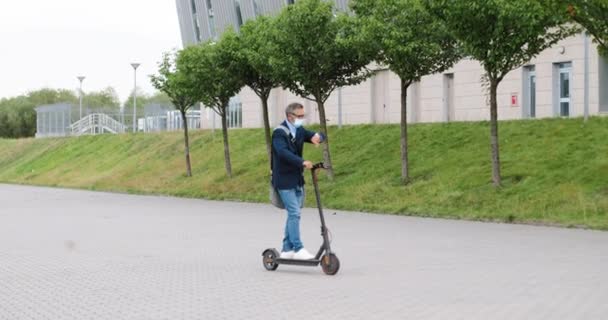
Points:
(48, 43)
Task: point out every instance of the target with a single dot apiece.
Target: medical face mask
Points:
(298, 123)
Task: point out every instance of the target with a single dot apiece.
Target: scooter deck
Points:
(309, 263)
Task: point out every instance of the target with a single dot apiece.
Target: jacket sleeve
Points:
(309, 134)
(280, 145)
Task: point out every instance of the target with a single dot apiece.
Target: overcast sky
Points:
(48, 43)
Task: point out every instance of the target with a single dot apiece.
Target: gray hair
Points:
(293, 107)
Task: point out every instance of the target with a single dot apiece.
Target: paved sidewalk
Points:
(68, 254)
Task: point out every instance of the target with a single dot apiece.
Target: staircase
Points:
(97, 123)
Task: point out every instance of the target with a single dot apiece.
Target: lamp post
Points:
(80, 78)
(134, 65)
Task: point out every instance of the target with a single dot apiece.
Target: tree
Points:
(141, 101)
(312, 56)
(593, 16)
(51, 96)
(18, 115)
(105, 100)
(5, 129)
(502, 35)
(177, 85)
(22, 117)
(257, 71)
(159, 97)
(216, 74)
(410, 42)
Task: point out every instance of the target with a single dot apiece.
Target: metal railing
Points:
(97, 123)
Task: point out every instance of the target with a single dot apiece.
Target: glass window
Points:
(239, 16)
(197, 30)
(235, 113)
(530, 91)
(212, 30)
(564, 80)
(563, 87)
(564, 109)
(533, 96)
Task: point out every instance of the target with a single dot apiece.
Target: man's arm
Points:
(313, 137)
(280, 143)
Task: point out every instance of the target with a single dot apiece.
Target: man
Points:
(288, 175)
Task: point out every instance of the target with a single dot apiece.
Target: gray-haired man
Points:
(288, 175)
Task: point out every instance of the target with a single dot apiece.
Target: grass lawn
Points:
(555, 171)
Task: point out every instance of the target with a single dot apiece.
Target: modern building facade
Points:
(566, 80)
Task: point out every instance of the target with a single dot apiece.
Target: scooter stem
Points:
(318, 197)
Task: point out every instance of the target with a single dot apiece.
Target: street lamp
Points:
(80, 78)
(134, 65)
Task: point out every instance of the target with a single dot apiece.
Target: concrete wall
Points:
(377, 100)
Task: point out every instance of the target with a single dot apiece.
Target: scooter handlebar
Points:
(319, 165)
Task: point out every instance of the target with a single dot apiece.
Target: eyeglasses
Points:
(299, 116)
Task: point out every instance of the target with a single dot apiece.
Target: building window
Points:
(603, 82)
(564, 74)
(197, 29)
(239, 15)
(290, 2)
(212, 30)
(234, 116)
(530, 92)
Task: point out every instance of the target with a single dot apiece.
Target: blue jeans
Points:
(292, 199)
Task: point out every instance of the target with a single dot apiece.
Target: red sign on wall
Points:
(514, 100)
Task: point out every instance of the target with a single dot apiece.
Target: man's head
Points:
(295, 114)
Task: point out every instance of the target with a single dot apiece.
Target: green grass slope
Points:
(555, 171)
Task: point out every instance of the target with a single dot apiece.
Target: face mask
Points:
(298, 123)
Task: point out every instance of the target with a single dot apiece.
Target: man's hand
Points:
(307, 164)
(316, 139)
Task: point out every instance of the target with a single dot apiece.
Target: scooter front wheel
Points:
(269, 260)
(330, 264)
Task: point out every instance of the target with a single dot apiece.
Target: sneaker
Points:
(287, 254)
(303, 254)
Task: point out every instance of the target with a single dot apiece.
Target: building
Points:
(562, 81)
(53, 120)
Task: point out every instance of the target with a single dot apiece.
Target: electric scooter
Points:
(328, 260)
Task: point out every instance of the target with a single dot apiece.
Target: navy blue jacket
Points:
(287, 161)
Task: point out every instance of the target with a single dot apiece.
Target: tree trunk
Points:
(326, 153)
(187, 143)
(226, 145)
(264, 99)
(405, 178)
(494, 133)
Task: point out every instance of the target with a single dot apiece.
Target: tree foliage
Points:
(312, 55)
(502, 35)
(176, 83)
(257, 70)
(410, 41)
(18, 114)
(215, 72)
(593, 16)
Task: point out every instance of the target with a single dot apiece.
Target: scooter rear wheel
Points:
(330, 264)
(269, 260)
